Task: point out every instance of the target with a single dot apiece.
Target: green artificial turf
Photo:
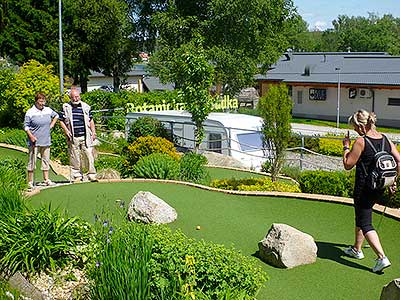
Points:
(15, 154)
(242, 221)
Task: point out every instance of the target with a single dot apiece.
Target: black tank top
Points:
(366, 158)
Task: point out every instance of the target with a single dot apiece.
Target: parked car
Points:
(106, 88)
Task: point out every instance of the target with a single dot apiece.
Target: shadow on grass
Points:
(331, 251)
(334, 251)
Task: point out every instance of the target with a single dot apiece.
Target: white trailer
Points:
(231, 134)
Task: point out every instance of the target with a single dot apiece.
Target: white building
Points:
(365, 80)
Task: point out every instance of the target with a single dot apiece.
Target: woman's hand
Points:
(346, 140)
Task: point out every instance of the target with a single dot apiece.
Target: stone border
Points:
(390, 212)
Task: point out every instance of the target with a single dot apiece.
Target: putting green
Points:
(15, 154)
(244, 220)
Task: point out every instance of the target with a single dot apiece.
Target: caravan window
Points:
(215, 142)
(250, 141)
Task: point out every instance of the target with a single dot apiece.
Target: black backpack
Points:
(383, 169)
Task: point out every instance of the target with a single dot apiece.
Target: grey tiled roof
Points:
(154, 84)
(376, 68)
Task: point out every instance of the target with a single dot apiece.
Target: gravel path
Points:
(314, 162)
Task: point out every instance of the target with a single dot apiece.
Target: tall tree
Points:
(28, 30)
(239, 36)
(275, 109)
(95, 38)
(141, 13)
(368, 34)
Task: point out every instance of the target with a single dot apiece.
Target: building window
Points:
(352, 93)
(394, 101)
(290, 90)
(317, 94)
(299, 97)
(215, 142)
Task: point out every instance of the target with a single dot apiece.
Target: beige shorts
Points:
(44, 155)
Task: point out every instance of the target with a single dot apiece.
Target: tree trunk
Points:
(83, 79)
(116, 82)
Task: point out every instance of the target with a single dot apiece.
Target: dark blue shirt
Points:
(78, 119)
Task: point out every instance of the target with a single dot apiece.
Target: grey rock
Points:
(148, 208)
(391, 291)
(287, 247)
(20, 283)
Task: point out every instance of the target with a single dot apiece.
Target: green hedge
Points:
(208, 268)
(13, 136)
(254, 184)
(337, 183)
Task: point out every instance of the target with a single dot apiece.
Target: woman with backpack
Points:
(363, 155)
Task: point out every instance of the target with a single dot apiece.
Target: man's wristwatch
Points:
(345, 148)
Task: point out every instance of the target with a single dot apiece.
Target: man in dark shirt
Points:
(77, 121)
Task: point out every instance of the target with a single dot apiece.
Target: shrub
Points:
(147, 126)
(158, 166)
(144, 146)
(393, 200)
(292, 172)
(59, 147)
(337, 183)
(15, 137)
(311, 143)
(109, 162)
(216, 268)
(254, 184)
(34, 241)
(193, 168)
(331, 146)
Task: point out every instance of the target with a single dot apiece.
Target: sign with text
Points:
(225, 103)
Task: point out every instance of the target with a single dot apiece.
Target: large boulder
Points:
(391, 291)
(287, 247)
(148, 208)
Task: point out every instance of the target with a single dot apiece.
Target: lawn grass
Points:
(242, 221)
(341, 125)
(15, 154)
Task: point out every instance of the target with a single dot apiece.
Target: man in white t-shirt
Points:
(39, 120)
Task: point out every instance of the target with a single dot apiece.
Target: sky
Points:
(319, 14)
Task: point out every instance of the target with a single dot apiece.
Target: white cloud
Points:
(320, 25)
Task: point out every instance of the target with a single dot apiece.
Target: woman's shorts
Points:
(44, 155)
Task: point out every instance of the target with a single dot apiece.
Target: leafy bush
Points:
(109, 162)
(33, 241)
(393, 201)
(59, 147)
(311, 143)
(144, 146)
(254, 184)
(193, 168)
(199, 266)
(122, 272)
(147, 126)
(330, 146)
(326, 183)
(15, 137)
(28, 80)
(158, 166)
(292, 172)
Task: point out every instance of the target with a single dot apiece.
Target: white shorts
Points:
(44, 155)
